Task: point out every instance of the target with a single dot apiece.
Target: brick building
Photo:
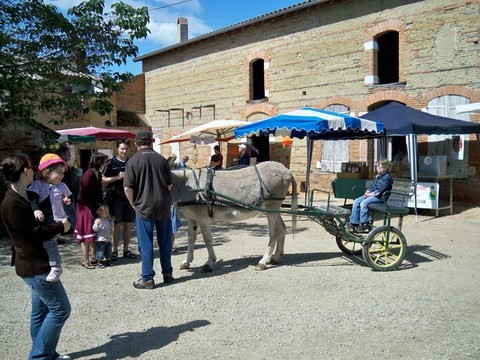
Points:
(347, 56)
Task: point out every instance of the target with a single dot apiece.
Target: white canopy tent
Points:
(468, 108)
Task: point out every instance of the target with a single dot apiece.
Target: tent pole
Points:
(309, 166)
(412, 158)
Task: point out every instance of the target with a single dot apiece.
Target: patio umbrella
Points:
(468, 108)
(99, 133)
(76, 139)
(314, 124)
(216, 130)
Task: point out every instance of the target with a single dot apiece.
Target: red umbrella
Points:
(99, 133)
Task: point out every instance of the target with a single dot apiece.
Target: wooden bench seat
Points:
(393, 210)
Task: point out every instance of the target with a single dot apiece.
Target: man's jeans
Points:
(360, 213)
(50, 309)
(145, 245)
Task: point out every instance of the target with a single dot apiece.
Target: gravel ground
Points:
(317, 304)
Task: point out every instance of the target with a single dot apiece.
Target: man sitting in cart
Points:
(361, 218)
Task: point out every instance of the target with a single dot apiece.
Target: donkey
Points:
(264, 185)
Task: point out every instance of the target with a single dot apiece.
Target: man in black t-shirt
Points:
(147, 184)
(119, 206)
(216, 160)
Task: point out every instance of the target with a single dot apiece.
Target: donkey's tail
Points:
(294, 205)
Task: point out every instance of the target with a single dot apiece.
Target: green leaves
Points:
(51, 62)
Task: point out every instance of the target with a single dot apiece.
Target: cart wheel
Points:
(349, 247)
(385, 249)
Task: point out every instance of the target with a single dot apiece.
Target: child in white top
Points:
(60, 195)
(103, 226)
(40, 194)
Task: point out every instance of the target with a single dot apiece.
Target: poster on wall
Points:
(427, 196)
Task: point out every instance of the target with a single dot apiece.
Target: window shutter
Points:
(334, 152)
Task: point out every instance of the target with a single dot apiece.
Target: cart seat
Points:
(391, 209)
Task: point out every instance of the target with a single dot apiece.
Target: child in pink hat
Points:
(47, 199)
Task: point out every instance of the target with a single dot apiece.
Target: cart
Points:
(383, 248)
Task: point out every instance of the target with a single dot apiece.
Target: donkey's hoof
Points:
(260, 267)
(184, 266)
(207, 269)
(273, 262)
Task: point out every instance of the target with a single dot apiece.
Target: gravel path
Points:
(317, 304)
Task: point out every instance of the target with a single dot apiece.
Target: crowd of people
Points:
(113, 193)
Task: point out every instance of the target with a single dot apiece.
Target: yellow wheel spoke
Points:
(386, 248)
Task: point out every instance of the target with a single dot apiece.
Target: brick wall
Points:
(316, 57)
(132, 98)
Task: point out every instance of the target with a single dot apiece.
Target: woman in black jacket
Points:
(50, 304)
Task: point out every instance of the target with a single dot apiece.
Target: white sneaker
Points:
(54, 274)
(64, 357)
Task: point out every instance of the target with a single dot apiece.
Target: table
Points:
(438, 179)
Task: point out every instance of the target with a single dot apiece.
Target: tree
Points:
(61, 63)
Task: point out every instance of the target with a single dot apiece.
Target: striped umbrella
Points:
(314, 124)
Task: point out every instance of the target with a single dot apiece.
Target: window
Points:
(334, 152)
(257, 80)
(387, 58)
(457, 156)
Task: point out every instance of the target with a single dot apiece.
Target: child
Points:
(103, 226)
(361, 218)
(40, 194)
(60, 196)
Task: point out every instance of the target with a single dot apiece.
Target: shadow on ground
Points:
(135, 344)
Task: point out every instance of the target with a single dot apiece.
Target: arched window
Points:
(257, 80)
(388, 58)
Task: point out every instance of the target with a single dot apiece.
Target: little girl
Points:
(50, 173)
(103, 226)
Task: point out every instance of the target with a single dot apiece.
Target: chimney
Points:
(182, 24)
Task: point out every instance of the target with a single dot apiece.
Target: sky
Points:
(203, 16)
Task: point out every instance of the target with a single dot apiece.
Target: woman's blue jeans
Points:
(145, 245)
(50, 309)
(360, 213)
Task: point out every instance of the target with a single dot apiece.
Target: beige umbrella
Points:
(216, 130)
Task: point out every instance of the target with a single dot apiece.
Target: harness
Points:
(206, 196)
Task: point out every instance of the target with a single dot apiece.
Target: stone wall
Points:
(132, 98)
(316, 57)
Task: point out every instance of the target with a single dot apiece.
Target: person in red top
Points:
(50, 304)
(89, 201)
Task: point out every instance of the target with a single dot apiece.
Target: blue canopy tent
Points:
(401, 120)
(314, 124)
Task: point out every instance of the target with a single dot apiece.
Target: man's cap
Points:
(50, 159)
(242, 146)
(144, 135)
